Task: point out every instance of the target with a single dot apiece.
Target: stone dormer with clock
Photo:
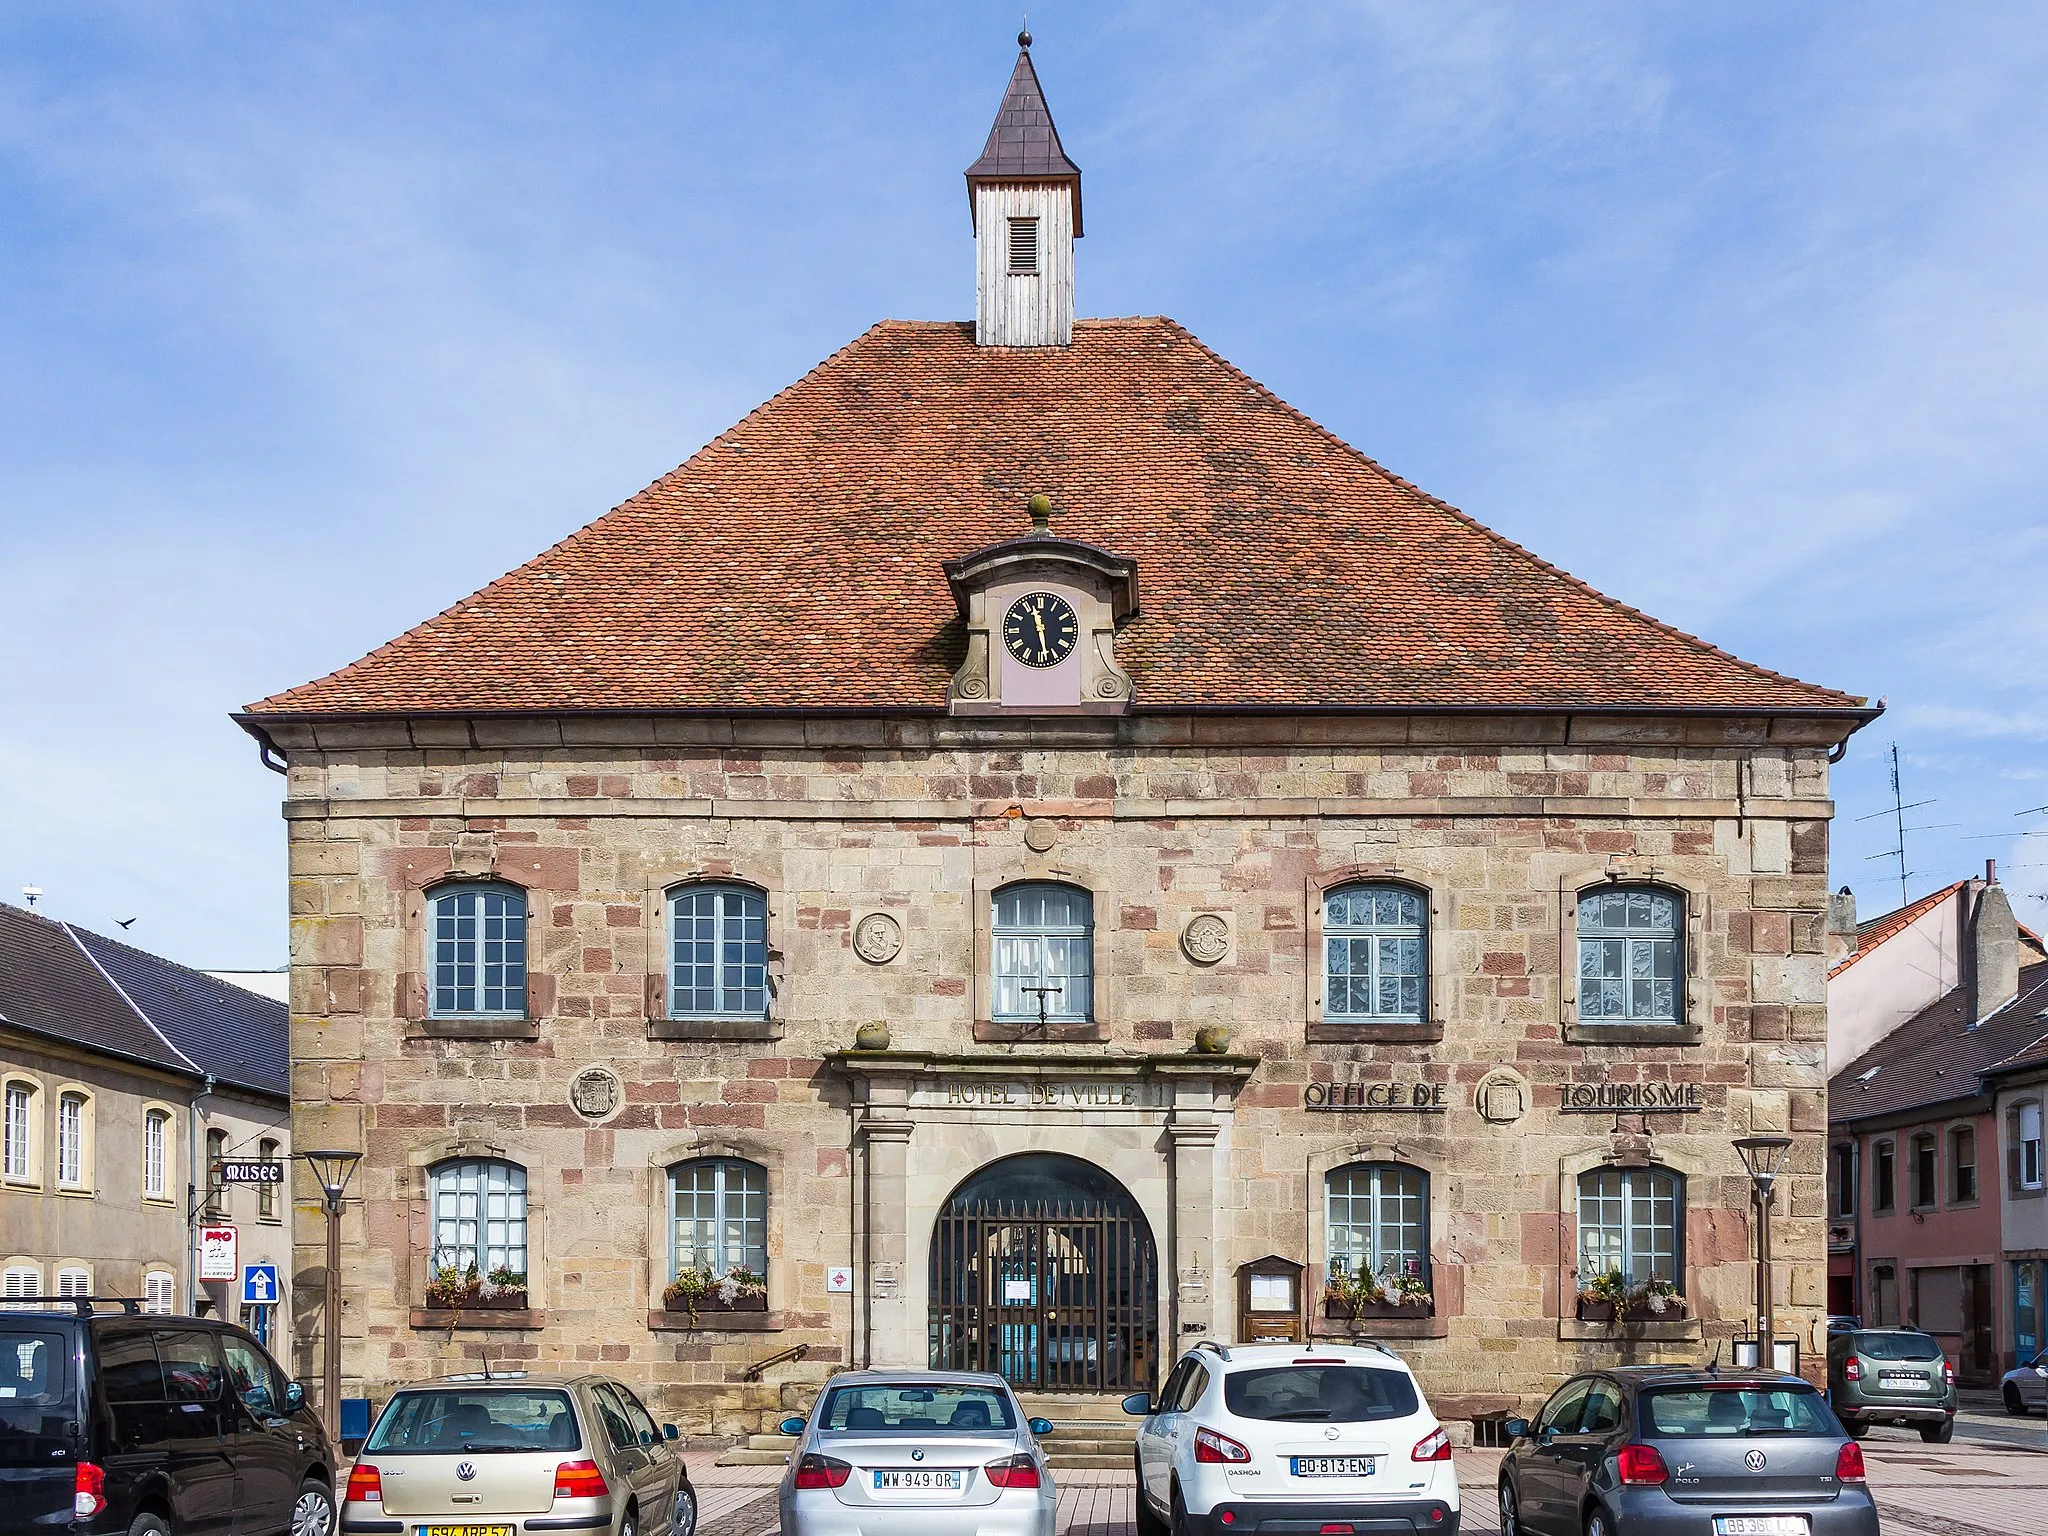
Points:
(1041, 615)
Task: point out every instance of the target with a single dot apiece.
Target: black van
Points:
(124, 1423)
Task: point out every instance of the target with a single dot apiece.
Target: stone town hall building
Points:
(1033, 933)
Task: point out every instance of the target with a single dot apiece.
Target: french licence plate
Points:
(1332, 1466)
(942, 1478)
(466, 1530)
(1760, 1525)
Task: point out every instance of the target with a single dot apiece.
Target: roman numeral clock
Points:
(1041, 616)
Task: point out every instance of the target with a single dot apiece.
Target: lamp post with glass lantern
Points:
(332, 1169)
(1763, 1158)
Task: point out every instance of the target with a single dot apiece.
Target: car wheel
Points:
(1148, 1523)
(629, 1523)
(1597, 1523)
(1510, 1510)
(313, 1510)
(1856, 1427)
(1938, 1434)
(2014, 1403)
(685, 1522)
(149, 1525)
(1179, 1526)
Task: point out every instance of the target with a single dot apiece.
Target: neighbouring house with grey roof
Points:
(126, 1080)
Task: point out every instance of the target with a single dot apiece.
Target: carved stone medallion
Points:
(1040, 834)
(1206, 938)
(1502, 1097)
(594, 1093)
(878, 938)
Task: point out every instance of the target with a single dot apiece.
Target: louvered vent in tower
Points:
(1024, 247)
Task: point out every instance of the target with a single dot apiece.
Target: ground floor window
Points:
(479, 1214)
(1884, 1297)
(1631, 1220)
(719, 1208)
(1378, 1220)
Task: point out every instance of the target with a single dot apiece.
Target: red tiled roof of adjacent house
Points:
(1873, 933)
(794, 563)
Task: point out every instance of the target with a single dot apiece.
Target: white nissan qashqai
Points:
(1287, 1437)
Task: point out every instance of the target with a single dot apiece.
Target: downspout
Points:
(192, 1188)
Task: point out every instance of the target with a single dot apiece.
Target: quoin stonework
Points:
(1027, 851)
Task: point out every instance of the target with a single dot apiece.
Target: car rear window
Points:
(923, 1410)
(1324, 1394)
(1897, 1346)
(1706, 1412)
(35, 1366)
(475, 1422)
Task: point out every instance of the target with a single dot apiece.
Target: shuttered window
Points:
(158, 1291)
(1023, 247)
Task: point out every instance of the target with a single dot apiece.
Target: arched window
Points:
(74, 1165)
(477, 952)
(159, 1291)
(21, 1280)
(718, 1209)
(1378, 1217)
(479, 1216)
(718, 947)
(156, 1140)
(74, 1281)
(1629, 959)
(1375, 954)
(1631, 1219)
(1044, 954)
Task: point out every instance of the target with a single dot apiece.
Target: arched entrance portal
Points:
(1043, 1271)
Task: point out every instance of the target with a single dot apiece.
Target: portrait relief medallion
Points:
(594, 1093)
(1206, 938)
(878, 938)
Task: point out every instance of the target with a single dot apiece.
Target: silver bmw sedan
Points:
(917, 1453)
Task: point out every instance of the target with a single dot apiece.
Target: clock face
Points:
(1041, 629)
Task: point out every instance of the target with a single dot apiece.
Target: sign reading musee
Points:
(252, 1171)
(1392, 1097)
(217, 1254)
(1632, 1099)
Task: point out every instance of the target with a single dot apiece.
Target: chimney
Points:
(1993, 947)
(1841, 934)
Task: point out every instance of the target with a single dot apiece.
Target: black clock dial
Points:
(1041, 629)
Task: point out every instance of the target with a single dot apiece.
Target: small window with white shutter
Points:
(159, 1290)
(1023, 247)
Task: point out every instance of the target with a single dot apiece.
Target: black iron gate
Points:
(1055, 1294)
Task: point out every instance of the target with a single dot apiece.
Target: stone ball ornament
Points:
(878, 938)
(1206, 938)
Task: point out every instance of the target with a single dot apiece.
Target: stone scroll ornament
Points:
(1206, 938)
(594, 1093)
(878, 938)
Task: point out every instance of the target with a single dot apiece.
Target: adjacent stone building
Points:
(1027, 851)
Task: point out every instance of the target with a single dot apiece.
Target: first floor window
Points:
(1844, 1181)
(1373, 968)
(1378, 1219)
(1881, 1177)
(479, 1216)
(2030, 1146)
(1628, 956)
(155, 1134)
(74, 1282)
(158, 1291)
(719, 1216)
(1043, 964)
(20, 1127)
(719, 949)
(1924, 1182)
(1962, 1161)
(266, 1194)
(1630, 1220)
(216, 1154)
(479, 951)
(71, 1140)
(20, 1280)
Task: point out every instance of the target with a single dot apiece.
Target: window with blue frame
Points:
(1375, 955)
(1044, 954)
(477, 951)
(718, 947)
(1629, 956)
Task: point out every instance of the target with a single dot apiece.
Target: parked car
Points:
(1665, 1451)
(2025, 1387)
(117, 1422)
(1258, 1437)
(930, 1452)
(1892, 1376)
(503, 1454)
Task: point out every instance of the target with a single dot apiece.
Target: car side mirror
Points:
(791, 1426)
(1041, 1426)
(1138, 1405)
(670, 1432)
(294, 1396)
(1516, 1429)
(2041, 1370)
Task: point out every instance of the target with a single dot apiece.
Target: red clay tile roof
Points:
(794, 563)
(1873, 933)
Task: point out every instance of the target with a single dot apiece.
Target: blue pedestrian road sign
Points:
(259, 1284)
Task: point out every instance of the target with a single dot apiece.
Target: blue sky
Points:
(315, 318)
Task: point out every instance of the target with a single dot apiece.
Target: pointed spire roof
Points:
(1023, 145)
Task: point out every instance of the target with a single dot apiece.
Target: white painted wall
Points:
(1011, 311)
(1915, 967)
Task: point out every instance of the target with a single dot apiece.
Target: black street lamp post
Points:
(1763, 1158)
(332, 1170)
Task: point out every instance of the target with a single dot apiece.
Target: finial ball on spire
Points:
(1023, 39)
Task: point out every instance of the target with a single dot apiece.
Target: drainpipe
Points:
(192, 1189)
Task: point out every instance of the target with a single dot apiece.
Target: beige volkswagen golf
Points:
(508, 1455)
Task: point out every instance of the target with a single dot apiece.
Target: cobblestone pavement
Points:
(1990, 1481)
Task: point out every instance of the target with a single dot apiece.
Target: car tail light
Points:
(365, 1485)
(1434, 1446)
(1641, 1465)
(579, 1480)
(1852, 1369)
(1212, 1447)
(1013, 1472)
(816, 1471)
(1948, 1371)
(1849, 1463)
(88, 1490)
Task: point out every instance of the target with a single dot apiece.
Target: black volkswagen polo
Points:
(1662, 1451)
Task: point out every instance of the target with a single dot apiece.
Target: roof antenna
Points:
(1024, 37)
(1714, 1365)
(1897, 811)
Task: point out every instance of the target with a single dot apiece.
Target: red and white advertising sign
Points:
(217, 1254)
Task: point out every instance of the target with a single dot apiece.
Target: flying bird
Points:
(125, 922)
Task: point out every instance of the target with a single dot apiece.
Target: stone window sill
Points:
(74, 1192)
(2025, 1194)
(1384, 1328)
(713, 1029)
(1347, 1032)
(661, 1320)
(1576, 1033)
(1053, 1032)
(475, 1029)
(429, 1319)
(1678, 1331)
